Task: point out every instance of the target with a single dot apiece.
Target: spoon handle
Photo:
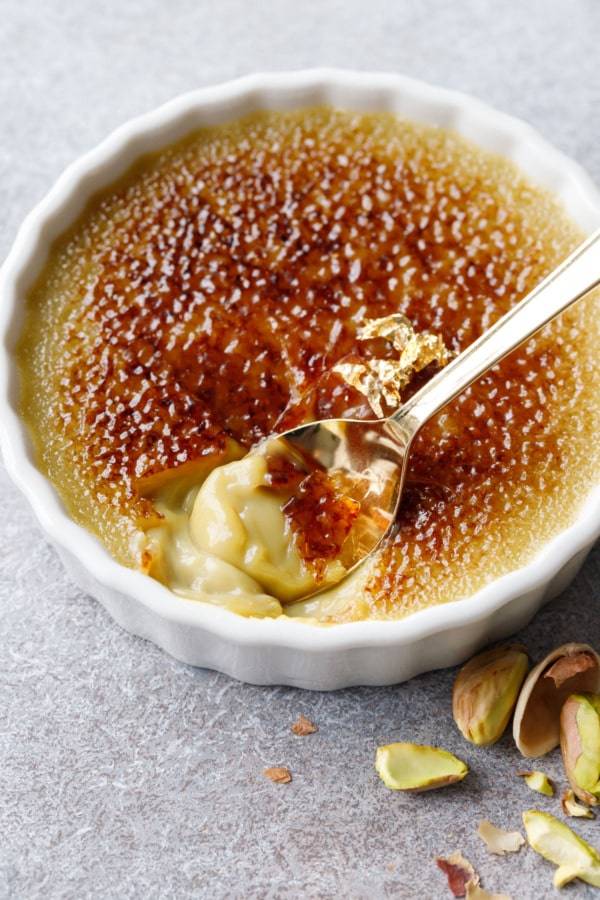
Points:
(570, 281)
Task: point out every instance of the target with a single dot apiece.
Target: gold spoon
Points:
(371, 457)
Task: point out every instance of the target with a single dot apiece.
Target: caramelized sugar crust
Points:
(200, 304)
(320, 519)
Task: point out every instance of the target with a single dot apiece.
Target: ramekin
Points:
(285, 651)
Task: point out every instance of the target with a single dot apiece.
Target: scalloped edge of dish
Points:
(284, 651)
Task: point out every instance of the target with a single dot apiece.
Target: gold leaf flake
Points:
(384, 379)
(396, 329)
(422, 349)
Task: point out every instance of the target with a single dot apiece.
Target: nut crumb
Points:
(539, 782)
(303, 726)
(278, 774)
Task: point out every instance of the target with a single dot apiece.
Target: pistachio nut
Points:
(580, 745)
(486, 690)
(556, 842)
(414, 768)
(569, 669)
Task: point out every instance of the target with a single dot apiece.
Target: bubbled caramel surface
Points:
(206, 297)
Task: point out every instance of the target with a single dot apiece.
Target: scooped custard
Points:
(217, 294)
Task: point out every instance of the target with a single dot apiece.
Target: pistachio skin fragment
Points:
(499, 841)
(572, 807)
(580, 745)
(414, 768)
(569, 669)
(486, 691)
(557, 843)
(458, 871)
(476, 892)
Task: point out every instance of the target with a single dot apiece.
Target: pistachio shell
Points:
(413, 768)
(556, 842)
(486, 690)
(580, 745)
(568, 669)
(572, 807)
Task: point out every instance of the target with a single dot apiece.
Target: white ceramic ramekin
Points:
(284, 651)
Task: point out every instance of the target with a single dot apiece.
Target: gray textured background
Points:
(124, 773)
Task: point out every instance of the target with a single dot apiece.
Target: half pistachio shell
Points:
(569, 669)
(414, 768)
(580, 745)
(556, 842)
(486, 690)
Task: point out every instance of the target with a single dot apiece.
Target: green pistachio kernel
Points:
(414, 768)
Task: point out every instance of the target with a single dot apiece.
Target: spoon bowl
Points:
(370, 458)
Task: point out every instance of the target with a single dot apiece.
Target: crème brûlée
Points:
(210, 299)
